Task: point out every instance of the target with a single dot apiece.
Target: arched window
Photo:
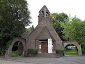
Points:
(42, 13)
(47, 13)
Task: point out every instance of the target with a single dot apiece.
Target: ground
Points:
(71, 52)
(37, 60)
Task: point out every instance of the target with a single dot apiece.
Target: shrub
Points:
(16, 53)
(4, 47)
(59, 51)
(2, 51)
(32, 51)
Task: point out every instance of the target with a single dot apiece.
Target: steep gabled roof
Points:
(44, 7)
(44, 30)
(44, 34)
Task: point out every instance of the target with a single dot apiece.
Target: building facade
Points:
(44, 37)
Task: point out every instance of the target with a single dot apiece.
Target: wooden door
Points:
(44, 47)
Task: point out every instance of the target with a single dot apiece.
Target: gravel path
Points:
(37, 60)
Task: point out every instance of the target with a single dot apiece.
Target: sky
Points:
(70, 7)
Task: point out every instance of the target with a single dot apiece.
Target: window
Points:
(42, 13)
(47, 13)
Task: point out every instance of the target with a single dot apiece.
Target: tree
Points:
(82, 36)
(74, 29)
(28, 29)
(55, 21)
(14, 16)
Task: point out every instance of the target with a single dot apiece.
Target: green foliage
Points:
(71, 52)
(83, 48)
(28, 29)
(32, 51)
(4, 48)
(14, 16)
(59, 51)
(9, 43)
(14, 10)
(2, 51)
(16, 53)
(74, 29)
(55, 21)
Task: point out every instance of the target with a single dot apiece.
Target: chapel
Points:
(44, 37)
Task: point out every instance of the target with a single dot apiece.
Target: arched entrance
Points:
(17, 44)
(75, 44)
(71, 50)
(17, 49)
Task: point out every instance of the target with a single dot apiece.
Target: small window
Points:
(42, 13)
(47, 13)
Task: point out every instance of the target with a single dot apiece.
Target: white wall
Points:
(50, 45)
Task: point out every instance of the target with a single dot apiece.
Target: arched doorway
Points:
(78, 47)
(71, 50)
(17, 44)
(17, 49)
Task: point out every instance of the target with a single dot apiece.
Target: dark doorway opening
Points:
(17, 49)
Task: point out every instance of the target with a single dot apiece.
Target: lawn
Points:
(71, 52)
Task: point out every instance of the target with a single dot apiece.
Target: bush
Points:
(32, 51)
(59, 51)
(16, 53)
(4, 47)
(2, 51)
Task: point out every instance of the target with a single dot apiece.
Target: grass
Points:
(16, 54)
(71, 52)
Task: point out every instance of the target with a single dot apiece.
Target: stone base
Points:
(49, 55)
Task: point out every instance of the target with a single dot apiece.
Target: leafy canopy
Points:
(14, 16)
(55, 21)
(74, 29)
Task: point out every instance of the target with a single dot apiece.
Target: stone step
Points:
(51, 55)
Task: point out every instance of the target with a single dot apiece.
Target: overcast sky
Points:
(72, 7)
